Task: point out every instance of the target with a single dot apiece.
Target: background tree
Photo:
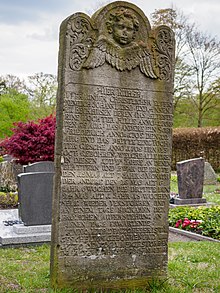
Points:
(22, 100)
(182, 82)
(204, 59)
(211, 112)
(14, 103)
(14, 106)
(197, 62)
(42, 91)
(12, 83)
(2, 87)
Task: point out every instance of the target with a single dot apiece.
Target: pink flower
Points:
(187, 224)
(178, 223)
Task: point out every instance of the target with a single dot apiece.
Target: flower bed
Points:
(202, 220)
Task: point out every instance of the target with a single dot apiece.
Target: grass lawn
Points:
(211, 193)
(193, 267)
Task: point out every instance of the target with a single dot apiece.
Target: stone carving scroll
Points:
(163, 48)
(80, 38)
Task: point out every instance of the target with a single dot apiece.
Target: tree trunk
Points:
(200, 112)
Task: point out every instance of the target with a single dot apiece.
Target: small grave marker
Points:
(190, 176)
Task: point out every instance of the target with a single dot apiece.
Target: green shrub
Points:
(8, 200)
(173, 178)
(210, 217)
(5, 188)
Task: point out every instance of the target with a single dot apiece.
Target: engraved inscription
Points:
(116, 157)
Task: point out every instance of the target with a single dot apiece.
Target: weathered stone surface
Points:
(190, 175)
(209, 174)
(8, 175)
(113, 150)
(35, 198)
(7, 158)
(44, 166)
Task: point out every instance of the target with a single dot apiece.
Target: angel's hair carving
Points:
(121, 14)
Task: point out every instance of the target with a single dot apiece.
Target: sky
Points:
(29, 40)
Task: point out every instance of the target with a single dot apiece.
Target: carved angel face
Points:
(123, 31)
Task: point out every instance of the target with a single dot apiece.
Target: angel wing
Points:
(146, 65)
(97, 56)
(120, 58)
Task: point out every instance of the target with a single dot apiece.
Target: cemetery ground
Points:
(193, 266)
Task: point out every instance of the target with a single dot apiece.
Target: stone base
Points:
(189, 201)
(19, 234)
(21, 229)
(207, 204)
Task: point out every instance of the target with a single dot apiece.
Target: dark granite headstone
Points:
(190, 176)
(44, 166)
(35, 198)
(113, 150)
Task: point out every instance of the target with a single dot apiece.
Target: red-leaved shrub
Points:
(32, 141)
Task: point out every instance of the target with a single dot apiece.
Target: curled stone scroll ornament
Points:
(164, 48)
(79, 31)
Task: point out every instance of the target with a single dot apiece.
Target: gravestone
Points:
(113, 150)
(35, 188)
(190, 177)
(209, 174)
(35, 198)
(44, 166)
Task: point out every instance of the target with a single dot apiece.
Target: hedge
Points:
(191, 143)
